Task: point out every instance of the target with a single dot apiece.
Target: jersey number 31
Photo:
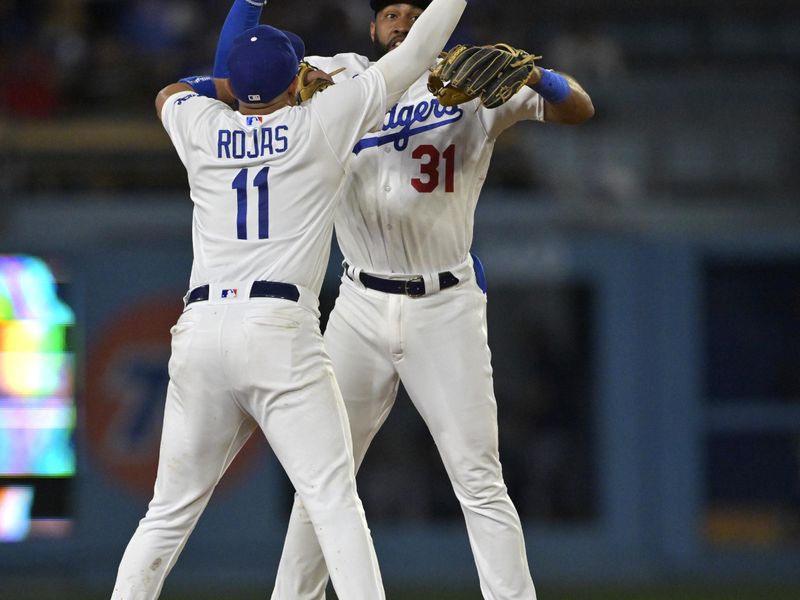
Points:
(430, 168)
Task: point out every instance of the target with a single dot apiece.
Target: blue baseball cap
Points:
(261, 64)
(297, 43)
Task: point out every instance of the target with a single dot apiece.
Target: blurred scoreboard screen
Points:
(37, 402)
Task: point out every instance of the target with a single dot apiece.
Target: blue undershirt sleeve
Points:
(244, 14)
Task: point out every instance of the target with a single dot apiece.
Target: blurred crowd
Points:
(74, 56)
(101, 56)
(78, 56)
(725, 73)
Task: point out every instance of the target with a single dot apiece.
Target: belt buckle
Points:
(409, 292)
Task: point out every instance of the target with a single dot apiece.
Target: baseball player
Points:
(412, 303)
(247, 351)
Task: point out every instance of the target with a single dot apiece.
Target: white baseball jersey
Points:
(264, 190)
(265, 187)
(408, 210)
(409, 206)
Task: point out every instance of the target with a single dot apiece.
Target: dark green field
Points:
(680, 592)
(643, 593)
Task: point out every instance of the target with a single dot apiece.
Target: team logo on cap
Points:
(254, 98)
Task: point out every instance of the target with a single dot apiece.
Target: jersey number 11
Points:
(240, 185)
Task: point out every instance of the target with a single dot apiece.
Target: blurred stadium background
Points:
(644, 313)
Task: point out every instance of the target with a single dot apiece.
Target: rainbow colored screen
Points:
(37, 404)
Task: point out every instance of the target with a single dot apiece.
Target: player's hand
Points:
(312, 80)
(317, 75)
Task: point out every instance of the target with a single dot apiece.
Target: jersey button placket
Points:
(387, 188)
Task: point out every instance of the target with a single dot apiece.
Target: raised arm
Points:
(242, 15)
(403, 65)
(207, 86)
(565, 100)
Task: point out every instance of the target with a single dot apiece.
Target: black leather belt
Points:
(414, 287)
(260, 289)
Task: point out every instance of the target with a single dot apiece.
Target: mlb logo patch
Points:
(255, 120)
(230, 293)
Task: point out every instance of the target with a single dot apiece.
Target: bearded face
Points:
(391, 26)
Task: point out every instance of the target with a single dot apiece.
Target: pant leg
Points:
(355, 342)
(446, 370)
(203, 431)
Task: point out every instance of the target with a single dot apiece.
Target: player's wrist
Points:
(202, 84)
(552, 86)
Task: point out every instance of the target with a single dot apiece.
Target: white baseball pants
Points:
(234, 367)
(437, 345)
